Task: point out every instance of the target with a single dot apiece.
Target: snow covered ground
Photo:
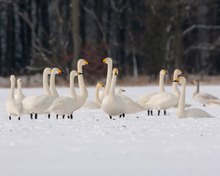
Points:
(92, 144)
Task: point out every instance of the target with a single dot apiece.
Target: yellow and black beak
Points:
(59, 71)
(175, 80)
(104, 60)
(86, 62)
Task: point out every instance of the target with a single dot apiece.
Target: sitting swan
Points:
(202, 97)
(181, 112)
(13, 107)
(142, 100)
(113, 104)
(97, 103)
(19, 95)
(67, 105)
(39, 104)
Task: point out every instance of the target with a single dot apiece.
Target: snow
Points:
(92, 144)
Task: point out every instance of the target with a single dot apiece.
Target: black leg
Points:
(165, 112)
(31, 115)
(120, 116)
(48, 115)
(158, 113)
(63, 116)
(123, 114)
(110, 116)
(148, 112)
(35, 116)
(71, 116)
(57, 116)
(9, 117)
(19, 118)
(151, 112)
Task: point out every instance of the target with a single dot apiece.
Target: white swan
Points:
(67, 105)
(94, 104)
(113, 104)
(39, 104)
(19, 95)
(142, 100)
(165, 100)
(13, 107)
(202, 97)
(131, 106)
(181, 112)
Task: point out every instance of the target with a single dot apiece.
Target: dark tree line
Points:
(141, 36)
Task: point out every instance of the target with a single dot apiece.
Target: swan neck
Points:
(81, 82)
(97, 99)
(161, 83)
(52, 86)
(11, 95)
(72, 87)
(112, 88)
(45, 84)
(108, 79)
(181, 105)
(175, 87)
(197, 87)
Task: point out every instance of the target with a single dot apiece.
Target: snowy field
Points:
(92, 144)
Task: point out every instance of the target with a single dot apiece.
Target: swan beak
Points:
(175, 80)
(86, 62)
(123, 90)
(59, 71)
(104, 61)
(166, 72)
(80, 73)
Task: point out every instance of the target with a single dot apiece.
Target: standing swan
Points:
(39, 104)
(142, 100)
(65, 105)
(13, 107)
(113, 104)
(202, 97)
(181, 112)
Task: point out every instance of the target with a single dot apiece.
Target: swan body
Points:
(181, 111)
(94, 104)
(202, 97)
(131, 106)
(66, 105)
(113, 104)
(39, 104)
(14, 107)
(142, 100)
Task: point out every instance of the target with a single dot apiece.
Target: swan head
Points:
(19, 82)
(82, 62)
(176, 73)
(99, 85)
(107, 60)
(163, 72)
(47, 70)
(56, 71)
(73, 73)
(115, 72)
(12, 78)
(181, 80)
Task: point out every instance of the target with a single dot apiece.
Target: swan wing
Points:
(131, 106)
(145, 98)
